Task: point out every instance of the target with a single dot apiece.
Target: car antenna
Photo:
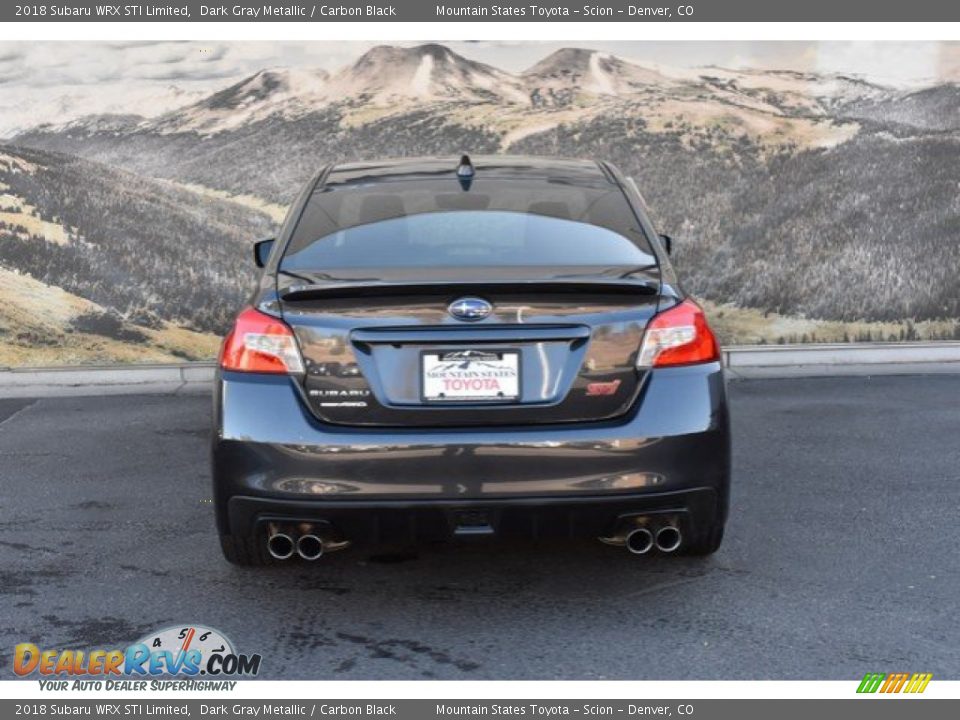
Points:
(465, 172)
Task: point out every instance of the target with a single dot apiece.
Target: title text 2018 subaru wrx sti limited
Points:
(444, 348)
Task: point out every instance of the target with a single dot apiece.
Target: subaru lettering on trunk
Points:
(443, 347)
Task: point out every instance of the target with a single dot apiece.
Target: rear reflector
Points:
(678, 336)
(260, 343)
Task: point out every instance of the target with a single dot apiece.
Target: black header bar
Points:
(486, 11)
(221, 704)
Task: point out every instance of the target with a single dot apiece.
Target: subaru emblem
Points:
(470, 309)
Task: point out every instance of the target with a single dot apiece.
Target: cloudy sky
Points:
(58, 81)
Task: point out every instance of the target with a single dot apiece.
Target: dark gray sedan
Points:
(444, 348)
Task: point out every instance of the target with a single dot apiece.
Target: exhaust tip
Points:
(280, 546)
(309, 547)
(668, 539)
(639, 541)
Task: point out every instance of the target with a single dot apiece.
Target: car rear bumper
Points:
(375, 521)
(273, 461)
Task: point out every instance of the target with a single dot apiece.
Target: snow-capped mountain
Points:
(382, 77)
(20, 110)
(388, 79)
(261, 134)
(570, 72)
(283, 90)
(427, 73)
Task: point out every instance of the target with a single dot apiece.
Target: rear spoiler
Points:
(613, 286)
(475, 333)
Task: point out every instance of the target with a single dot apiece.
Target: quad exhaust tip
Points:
(305, 542)
(280, 546)
(639, 535)
(639, 541)
(668, 539)
(310, 547)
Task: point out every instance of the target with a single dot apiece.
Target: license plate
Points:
(466, 375)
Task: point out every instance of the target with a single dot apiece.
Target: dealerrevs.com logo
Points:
(894, 683)
(180, 651)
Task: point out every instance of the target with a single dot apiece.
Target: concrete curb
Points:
(743, 362)
(745, 356)
(835, 360)
(186, 378)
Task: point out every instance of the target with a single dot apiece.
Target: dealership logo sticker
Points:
(184, 651)
(889, 683)
(471, 375)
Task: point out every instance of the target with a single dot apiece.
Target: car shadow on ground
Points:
(574, 567)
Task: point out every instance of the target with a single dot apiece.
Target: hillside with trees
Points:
(146, 250)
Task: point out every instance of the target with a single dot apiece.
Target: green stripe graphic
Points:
(871, 682)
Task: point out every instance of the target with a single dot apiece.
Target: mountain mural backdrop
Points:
(804, 206)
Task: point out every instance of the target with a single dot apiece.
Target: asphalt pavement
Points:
(841, 555)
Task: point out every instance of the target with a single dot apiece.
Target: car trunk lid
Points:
(383, 348)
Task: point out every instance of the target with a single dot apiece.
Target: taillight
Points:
(260, 343)
(678, 336)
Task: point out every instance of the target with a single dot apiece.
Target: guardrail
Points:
(752, 361)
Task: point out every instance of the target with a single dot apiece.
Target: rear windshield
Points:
(421, 225)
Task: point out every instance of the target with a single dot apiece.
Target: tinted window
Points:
(468, 237)
(496, 222)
